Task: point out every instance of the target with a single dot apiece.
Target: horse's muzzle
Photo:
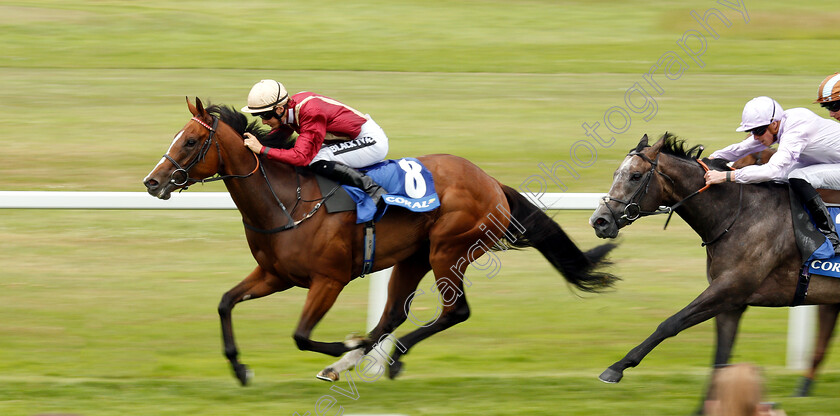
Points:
(604, 225)
(157, 190)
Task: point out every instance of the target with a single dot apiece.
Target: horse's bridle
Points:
(205, 147)
(632, 210)
(200, 157)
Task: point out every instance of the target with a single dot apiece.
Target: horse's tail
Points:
(542, 233)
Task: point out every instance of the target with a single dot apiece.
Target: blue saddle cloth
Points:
(823, 261)
(408, 183)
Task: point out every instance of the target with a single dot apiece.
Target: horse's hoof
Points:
(611, 376)
(243, 374)
(804, 388)
(395, 369)
(327, 374)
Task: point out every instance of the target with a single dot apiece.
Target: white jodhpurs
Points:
(825, 176)
(369, 147)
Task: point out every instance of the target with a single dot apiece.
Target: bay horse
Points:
(757, 158)
(304, 246)
(826, 314)
(751, 256)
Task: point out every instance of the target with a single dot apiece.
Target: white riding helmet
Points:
(266, 95)
(760, 111)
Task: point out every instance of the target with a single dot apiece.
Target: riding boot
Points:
(819, 212)
(348, 176)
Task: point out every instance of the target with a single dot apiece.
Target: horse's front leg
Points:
(323, 291)
(258, 284)
(710, 303)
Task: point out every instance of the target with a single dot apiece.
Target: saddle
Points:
(408, 183)
(336, 198)
(817, 253)
(810, 241)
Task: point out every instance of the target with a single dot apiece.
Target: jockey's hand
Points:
(252, 143)
(715, 176)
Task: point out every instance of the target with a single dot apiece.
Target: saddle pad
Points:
(408, 183)
(823, 261)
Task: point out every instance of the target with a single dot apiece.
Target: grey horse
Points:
(751, 256)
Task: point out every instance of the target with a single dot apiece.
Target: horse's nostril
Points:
(600, 221)
(151, 184)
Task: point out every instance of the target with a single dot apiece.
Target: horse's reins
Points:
(292, 223)
(632, 210)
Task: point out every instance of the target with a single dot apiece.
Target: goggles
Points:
(267, 115)
(832, 106)
(758, 131)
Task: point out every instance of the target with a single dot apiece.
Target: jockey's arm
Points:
(738, 150)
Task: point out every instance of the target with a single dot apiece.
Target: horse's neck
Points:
(706, 211)
(254, 196)
(685, 180)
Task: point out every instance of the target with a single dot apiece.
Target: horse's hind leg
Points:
(827, 321)
(258, 284)
(405, 277)
(455, 308)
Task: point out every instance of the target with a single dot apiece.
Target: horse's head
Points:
(188, 159)
(637, 190)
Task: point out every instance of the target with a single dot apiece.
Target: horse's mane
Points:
(677, 147)
(237, 121)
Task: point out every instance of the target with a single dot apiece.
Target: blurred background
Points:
(114, 312)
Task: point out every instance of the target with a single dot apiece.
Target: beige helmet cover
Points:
(266, 95)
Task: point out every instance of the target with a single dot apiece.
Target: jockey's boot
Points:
(346, 175)
(818, 210)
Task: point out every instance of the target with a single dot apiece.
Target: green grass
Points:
(114, 312)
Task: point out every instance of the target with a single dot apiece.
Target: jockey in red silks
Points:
(333, 138)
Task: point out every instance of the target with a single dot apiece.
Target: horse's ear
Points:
(642, 144)
(193, 110)
(200, 107)
(657, 147)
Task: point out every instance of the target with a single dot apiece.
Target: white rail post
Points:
(800, 336)
(377, 296)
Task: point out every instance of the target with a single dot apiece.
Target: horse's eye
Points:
(635, 176)
(191, 142)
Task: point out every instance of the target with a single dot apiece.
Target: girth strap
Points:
(370, 247)
(802, 286)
